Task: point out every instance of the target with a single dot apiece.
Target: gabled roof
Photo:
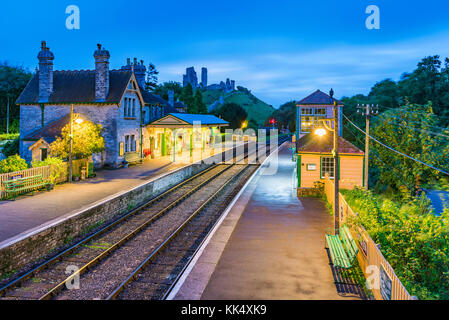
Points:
(206, 119)
(153, 99)
(50, 131)
(324, 144)
(319, 98)
(176, 119)
(76, 87)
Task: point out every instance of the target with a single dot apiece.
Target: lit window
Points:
(327, 166)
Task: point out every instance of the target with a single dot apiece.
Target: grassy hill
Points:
(257, 110)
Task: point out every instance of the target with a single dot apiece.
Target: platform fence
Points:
(375, 267)
(45, 171)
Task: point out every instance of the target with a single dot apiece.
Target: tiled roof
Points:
(206, 119)
(318, 97)
(153, 99)
(76, 87)
(325, 144)
(50, 131)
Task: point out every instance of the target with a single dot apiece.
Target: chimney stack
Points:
(101, 56)
(45, 57)
(140, 71)
(171, 97)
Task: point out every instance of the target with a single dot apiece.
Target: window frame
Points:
(324, 167)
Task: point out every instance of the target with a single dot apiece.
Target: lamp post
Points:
(78, 120)
(320, 132)
(336, 171)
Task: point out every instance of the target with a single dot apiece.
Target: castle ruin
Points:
(192, 78)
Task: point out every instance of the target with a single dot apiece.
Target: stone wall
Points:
(24, 253)
(106, 115)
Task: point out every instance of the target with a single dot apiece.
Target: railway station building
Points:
(136, 123)
(180, 134)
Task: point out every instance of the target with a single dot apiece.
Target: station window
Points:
(310, 118)
(327, 166)
(130, 143)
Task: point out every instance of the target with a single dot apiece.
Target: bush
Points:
(11, 148)
(57, 167)
(413, 240)
(12, 164)
(8, 136)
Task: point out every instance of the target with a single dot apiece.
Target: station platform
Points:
(30, 213)
(268, 245)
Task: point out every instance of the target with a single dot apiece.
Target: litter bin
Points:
(83, 173)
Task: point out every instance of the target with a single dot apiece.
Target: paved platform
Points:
(270, 245)
(30, 212)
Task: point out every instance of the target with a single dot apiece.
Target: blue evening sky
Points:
(281, 50)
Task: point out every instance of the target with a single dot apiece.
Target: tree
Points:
(233, 113)
(428, 82)
(285, 116)
(86, 140)
(12, 164)
(187, 97)
(409, 130)
(162, 90)
(13, 80)
(386, 94)
(151, 77)
(200, 106)
(11, 148)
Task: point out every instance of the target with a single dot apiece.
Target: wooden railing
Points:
(386, 285)
(44, 171)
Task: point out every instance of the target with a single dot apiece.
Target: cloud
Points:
(277, 77)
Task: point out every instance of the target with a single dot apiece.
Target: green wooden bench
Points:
(22, 185)
(132, 158)
(342, 248)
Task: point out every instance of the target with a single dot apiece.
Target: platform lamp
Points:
(321, 132)
(78, 120)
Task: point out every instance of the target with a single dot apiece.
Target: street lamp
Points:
(78, 120)
(244, 124)
(321, 132)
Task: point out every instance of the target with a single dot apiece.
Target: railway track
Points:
(112, 262)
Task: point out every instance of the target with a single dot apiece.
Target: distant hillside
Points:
(257, 110)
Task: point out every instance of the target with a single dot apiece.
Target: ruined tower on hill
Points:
(190, 77)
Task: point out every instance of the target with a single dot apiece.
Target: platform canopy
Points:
(187, 120)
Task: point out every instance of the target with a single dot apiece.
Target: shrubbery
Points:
(57, 167)
(13, 163)
(11, 148)
(413, 240)
(8, 136)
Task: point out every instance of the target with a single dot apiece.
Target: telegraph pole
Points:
(7, 114)
(367, 111)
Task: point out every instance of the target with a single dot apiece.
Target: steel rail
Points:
(136, 272)
(53, 292)
(16, 282)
